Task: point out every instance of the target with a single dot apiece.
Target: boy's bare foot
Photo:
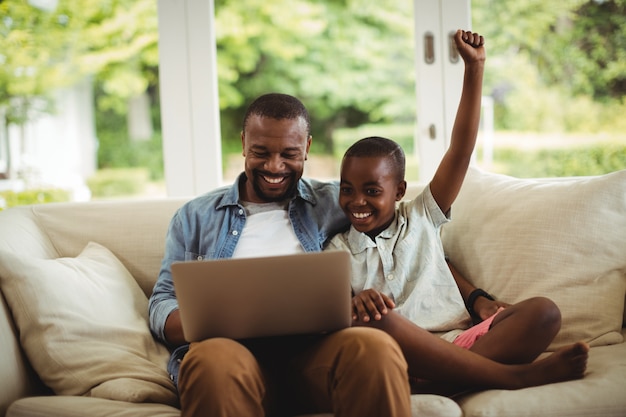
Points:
(566, 363)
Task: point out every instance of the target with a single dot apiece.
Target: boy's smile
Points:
(368, 193)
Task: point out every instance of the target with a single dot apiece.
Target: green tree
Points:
(547, 58)
(591, 50)
(114, 41)
(350, 61)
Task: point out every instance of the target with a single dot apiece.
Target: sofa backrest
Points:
(560, 238)
(134, 230)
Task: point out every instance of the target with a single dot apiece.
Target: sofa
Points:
(75, 279)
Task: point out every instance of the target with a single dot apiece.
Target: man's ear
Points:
(243, 143)
(308, 146)
(401, 190)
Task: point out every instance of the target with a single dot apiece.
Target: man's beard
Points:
(290, 191)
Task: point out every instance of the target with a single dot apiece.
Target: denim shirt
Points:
(209, 227)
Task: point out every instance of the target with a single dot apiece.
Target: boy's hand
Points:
(470, 46)
(486, 308)
(370, 304)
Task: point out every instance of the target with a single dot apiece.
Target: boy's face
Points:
(274, 151)
(368, 193)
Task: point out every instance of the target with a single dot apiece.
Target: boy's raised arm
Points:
(449, 176)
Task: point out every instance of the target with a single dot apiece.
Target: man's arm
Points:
(449, 176)
(163, 307)
(174, 329)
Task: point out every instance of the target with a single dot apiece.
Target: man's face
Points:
(274, 152)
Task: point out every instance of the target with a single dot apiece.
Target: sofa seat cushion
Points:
(67, 406)
(599, 394)
(562, 239)
(424, 405)
(83, 325)
(70, 406)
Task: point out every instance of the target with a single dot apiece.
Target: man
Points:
(271, 210)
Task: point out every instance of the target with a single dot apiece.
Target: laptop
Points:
(241, 298)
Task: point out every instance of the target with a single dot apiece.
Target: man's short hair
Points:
(278, 106)
(379, 147)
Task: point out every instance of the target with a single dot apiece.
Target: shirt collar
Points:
(359, 241)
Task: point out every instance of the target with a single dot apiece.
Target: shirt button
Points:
(390, 277)
(235, 233)
(199, 257)
(240, 212)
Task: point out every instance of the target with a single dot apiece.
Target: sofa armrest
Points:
(18, 379)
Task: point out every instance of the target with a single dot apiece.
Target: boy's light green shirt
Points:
(407, 262)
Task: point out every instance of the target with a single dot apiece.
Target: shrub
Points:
(594, 159)
(118, 182)
(34, 196)
(117, 151)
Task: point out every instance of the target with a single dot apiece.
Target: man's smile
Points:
(273, 180)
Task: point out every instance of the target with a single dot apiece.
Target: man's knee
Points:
(220, 377)
(372, 362)
(373, 346)
(218, 360)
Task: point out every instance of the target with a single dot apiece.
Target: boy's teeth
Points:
(361, 215)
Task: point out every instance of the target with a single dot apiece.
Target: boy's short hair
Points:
(278, 106)
(376, 146)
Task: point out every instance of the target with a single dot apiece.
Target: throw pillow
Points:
(83, 325)
(562, 239)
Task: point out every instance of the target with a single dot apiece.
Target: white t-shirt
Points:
(268, 232)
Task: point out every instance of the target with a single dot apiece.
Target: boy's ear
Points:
(401, 190)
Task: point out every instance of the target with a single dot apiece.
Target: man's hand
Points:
(470, 46)
(370, 304)
(486, 308)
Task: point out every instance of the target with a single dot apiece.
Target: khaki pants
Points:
(352, 372)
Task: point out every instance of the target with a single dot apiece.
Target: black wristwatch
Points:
(471, 300)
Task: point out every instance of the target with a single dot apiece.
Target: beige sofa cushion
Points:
(563, 239)
(83, 325)
(599, 394)
(422, 405)
(70, 406)
(134, 230)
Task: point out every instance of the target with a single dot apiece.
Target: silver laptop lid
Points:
(242, 298)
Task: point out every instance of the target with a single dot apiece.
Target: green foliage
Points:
(594, 159)
(403, 134)
(552, 66)
(118, 182)
(591, 50)
(33, 196)
(116, 150)
(43, 50)
(350, 62)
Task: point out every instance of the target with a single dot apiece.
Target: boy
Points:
(401, 280)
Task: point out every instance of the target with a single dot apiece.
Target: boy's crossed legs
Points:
(503, 358)
(520, 332)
